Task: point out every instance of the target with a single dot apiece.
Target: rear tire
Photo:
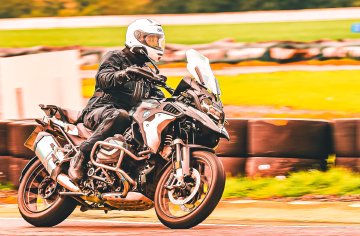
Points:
(210, 201)
(60, 209)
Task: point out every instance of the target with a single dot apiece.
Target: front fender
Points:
(224, 133)
(195, 147)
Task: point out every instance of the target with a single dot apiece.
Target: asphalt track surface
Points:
(17, 226)
(231, 217)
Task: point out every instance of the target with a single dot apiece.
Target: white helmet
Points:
(148, 34)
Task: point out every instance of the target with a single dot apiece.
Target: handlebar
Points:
(170, 90)
(150, 77)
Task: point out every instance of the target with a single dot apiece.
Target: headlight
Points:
(208, 107)
(206, 104)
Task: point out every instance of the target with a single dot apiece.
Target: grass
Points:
(184, 34)
(336, 181)
(6, 186)
(323, 90)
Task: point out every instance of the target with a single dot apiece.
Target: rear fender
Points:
(28, 165)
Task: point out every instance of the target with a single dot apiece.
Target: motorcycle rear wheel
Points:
(212, 182)
(39, 201)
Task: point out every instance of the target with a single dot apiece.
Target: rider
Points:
(115, 91)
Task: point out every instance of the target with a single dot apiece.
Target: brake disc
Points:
(47, 188)
(196, 176)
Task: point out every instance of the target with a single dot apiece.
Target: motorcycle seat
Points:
(83, 134)
(72, 116)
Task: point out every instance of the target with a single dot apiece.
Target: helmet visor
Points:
(156, 41)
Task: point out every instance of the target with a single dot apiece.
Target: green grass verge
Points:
(338, 182)
(323, 90)
(184, 34)
(6, 186)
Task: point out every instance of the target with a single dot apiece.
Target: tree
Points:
(27, 8)
(165, 6)
(14, 8)
(212, 6)
(54, 8)
(356, 3)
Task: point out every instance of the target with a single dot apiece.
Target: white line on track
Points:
(303, 203)
(215, 225)
(242, 201)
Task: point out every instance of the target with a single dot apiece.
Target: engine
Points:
(110, 155)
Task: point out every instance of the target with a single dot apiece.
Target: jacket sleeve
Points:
(110, 74)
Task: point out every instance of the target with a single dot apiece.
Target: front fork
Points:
(182, 162)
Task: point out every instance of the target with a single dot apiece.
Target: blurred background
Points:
(296, 60)
(270, 63)
(41, 8)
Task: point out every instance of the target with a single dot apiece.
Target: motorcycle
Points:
(164, 160)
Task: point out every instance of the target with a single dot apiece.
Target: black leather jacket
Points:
(114, 88)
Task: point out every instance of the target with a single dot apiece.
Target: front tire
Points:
(39, 201)
(204, 201)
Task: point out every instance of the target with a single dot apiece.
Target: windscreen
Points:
(199, 67)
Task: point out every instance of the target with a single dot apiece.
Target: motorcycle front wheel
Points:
(39, 201)
(186, 204)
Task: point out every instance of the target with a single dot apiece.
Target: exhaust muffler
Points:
(47, 150)
(65, 181)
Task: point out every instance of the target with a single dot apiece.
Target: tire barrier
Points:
(281, 146)
(226, 51)
(258, 147)
(16, 165)
(346, 136)
(229, 51)
(10, 169)
(280, 166)
(4, 169)
(351, 163)
(237, 146)
(17, 133)
(233, 153)
(3, 137)
(234, 166)
(297, 138)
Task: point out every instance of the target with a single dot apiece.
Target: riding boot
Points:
(76, 170)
